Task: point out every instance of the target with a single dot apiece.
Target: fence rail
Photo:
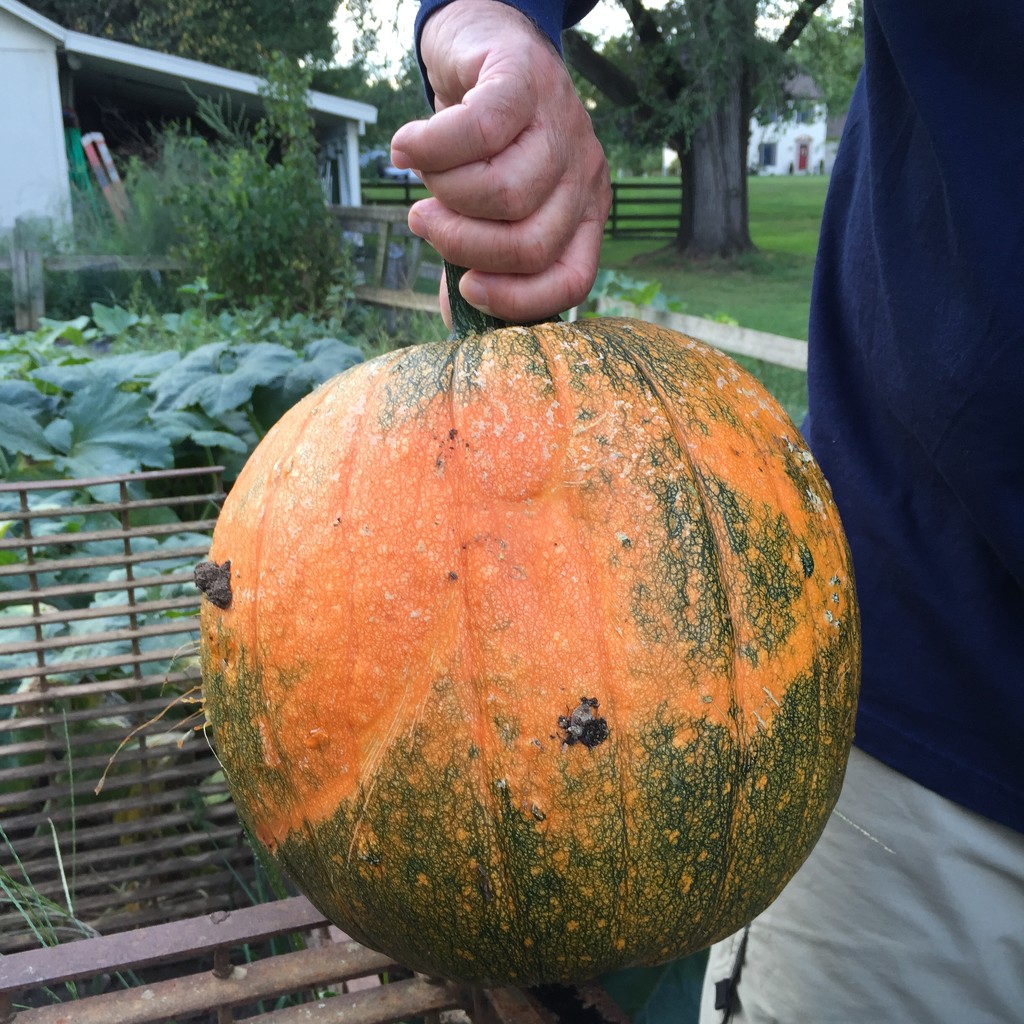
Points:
(640, 209)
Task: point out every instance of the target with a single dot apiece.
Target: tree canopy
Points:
(238, 34)
(688, 76)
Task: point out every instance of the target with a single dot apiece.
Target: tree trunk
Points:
(684, 232)
(718, 180)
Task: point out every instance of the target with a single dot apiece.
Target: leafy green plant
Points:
(246, 208)
(79, 398)
(616, 286)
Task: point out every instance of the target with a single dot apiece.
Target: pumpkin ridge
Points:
(497, 851)
(740, 750)
(626, 768)
(743, 753)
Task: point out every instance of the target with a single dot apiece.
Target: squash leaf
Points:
(220, 377)
(21, 433)
(110, 432)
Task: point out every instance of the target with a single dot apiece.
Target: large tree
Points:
(689, 77)
(238, 34)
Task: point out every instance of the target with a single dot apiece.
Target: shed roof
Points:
(164, 76)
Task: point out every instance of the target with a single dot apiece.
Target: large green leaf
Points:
(22, 394)
(111, 433)
(322, 359)
(220, 377)
(21, 433)
(113, 320)
(191, 425)
(130, 368)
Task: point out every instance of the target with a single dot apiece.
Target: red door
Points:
(802, 155)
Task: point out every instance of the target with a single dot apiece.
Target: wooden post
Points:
(27, 276)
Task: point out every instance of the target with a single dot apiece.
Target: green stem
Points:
(467, 319)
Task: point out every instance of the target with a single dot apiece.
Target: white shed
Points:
(45, 69)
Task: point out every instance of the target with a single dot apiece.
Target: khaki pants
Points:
(910, 910)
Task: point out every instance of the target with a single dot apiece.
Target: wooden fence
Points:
(640, 209)
(28, 268)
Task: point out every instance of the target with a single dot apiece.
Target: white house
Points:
(46, 69)
(791, 139)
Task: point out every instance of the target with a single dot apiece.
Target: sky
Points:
(397, 16)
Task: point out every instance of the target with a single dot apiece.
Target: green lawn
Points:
(768, 290)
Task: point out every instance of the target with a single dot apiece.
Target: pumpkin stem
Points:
(467, 319)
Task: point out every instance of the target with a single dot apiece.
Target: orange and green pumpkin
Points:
(534, 653)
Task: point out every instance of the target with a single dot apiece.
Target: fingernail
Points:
(418, 224)
(474, 293)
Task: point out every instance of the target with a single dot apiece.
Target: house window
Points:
(766, 154)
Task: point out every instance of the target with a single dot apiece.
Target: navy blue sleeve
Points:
(550, 16)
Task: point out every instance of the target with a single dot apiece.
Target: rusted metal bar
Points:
(215, 497)
(90, 664)
(181, 772)
(112, 611)
(112, 735)
(183, 625)
(81, 483)
(188, 894)
(386, 1004)
(198, 993)
(505, 1006)
(72, 590)
(161, 680)
(153, 847)
(175, 941)
(97, 536)
(113, 834)
(158, 554)
(88, 769)
(207, 789)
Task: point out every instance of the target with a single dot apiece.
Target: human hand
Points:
(519, 181)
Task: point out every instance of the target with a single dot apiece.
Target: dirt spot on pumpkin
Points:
(214, 582)
(582, 725)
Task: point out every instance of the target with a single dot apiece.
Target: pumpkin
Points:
(534, 653)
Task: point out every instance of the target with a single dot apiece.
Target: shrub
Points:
(245, 208)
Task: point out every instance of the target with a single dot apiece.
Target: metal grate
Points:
(278, 963)
(99, 682)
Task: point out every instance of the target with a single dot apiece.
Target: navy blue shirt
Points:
(916, 386)
(916, 391)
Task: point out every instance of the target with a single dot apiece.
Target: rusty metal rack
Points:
(313, 977)
(97, 671)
